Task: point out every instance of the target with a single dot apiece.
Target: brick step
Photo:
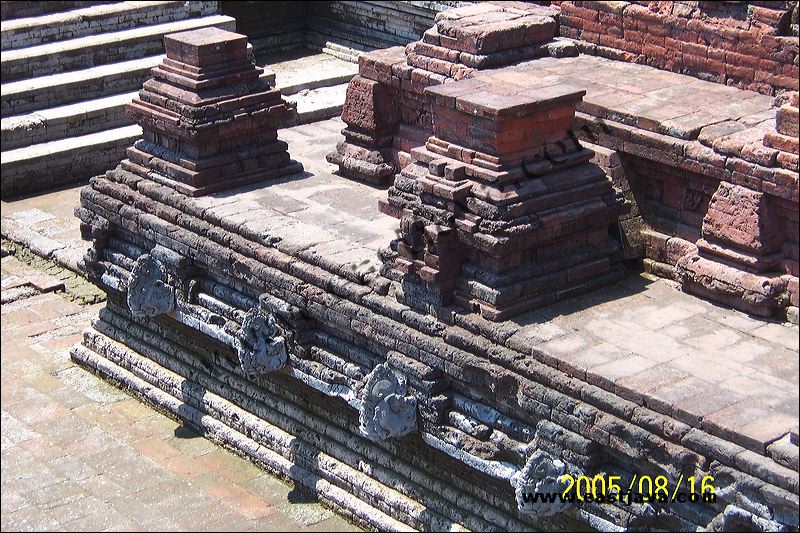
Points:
(51, 164)
(318, 104)
(315, 83)
(15, 10)
(308, 71)
(387, 19)
(59, 89)
(353, 35)
(93, 50)
(80, 118)
(337, 50)
(32, 31)
(339, 45)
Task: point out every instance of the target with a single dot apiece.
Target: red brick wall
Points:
(743, 44)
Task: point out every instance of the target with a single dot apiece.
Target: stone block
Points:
(205, 46)
(787, 120)
(370, 106)
(496, 29)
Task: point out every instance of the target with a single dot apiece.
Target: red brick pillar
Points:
(739, 253)
(741, 259)
(370, 112)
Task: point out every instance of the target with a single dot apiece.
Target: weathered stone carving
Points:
(387, 410)
(735, 518)
(148, 292)
(260, 346)
(541, 474)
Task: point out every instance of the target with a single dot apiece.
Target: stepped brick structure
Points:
(210, 122)
(418, 378)
(69, 69)
(501, 211)
(676, 141)
(387, 110)
(339, 28)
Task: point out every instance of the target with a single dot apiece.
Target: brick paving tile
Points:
(191, 444)
(652, 378)
(184, 466)
(102, 487)
(779, 334)
(155, 448)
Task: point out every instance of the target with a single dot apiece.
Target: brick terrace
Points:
(641, 338)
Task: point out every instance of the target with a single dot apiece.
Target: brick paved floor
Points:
(78, 454)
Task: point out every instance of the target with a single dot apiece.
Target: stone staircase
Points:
(68, 68)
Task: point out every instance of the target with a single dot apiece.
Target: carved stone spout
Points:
(148, 292)
(387, 410)
(260, 346)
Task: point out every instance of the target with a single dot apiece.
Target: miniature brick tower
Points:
(210, 121)
(387, 111)
(501, 210)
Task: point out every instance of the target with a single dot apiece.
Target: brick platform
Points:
(750, 45)
(79, 454)
(615, 381)
(271, 326)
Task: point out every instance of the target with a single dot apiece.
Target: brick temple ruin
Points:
(518, 155)
(677, 147)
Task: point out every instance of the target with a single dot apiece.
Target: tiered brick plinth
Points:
(371, 114)
(393, 114)
(501, 210)
(209, 122)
